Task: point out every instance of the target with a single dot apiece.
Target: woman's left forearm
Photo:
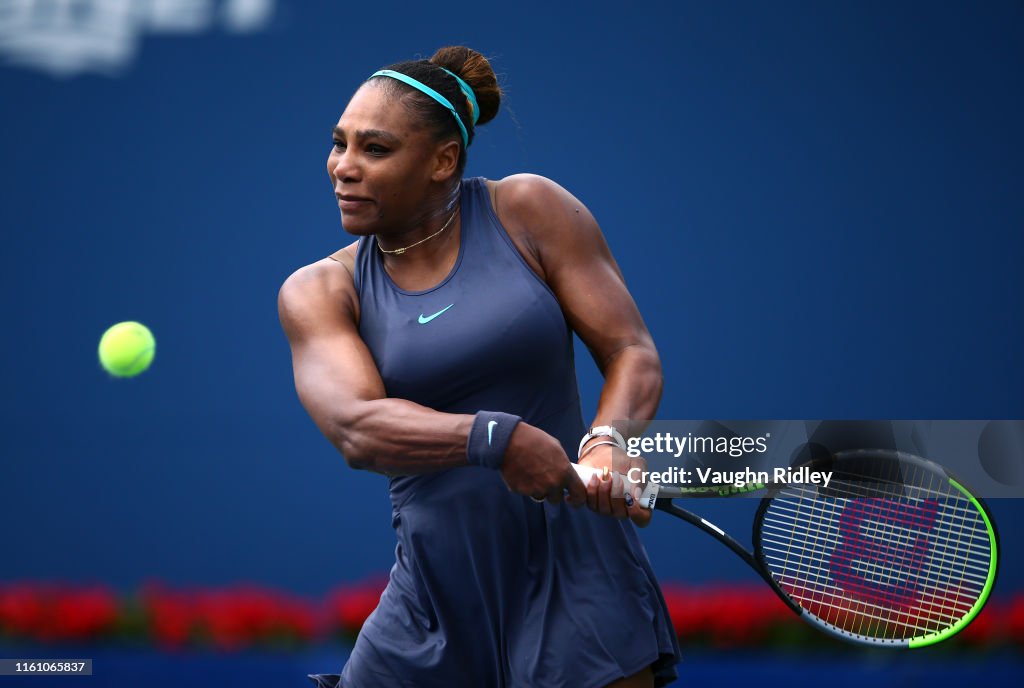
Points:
(632, 388)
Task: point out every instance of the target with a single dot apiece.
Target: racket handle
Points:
(647, 497)
(586, 472)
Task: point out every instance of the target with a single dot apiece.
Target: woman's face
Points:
(382, 166)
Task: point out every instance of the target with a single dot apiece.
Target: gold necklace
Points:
(400, 251)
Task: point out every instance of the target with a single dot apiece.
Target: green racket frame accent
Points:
(933, 638)
(714, 491)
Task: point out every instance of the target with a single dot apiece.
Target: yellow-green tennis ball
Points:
(127, 349)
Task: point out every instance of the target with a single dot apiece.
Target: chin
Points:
(357, 226)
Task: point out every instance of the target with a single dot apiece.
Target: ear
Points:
(445, 160)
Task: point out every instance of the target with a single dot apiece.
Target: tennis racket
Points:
(895, 552)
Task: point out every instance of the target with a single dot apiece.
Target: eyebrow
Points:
(369, 133)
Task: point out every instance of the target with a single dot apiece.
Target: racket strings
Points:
(812, 560)
(791, 504)
(894, 556)
(938, 608)
(903, 537)
(896, 542)
(883, 572)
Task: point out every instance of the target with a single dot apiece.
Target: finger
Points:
(640, 516)
(604, 497)
(636, 488)
(592, 487)
(618, 503)
(555, 496)
(577, 490)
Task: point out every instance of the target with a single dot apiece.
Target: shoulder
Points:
(533, 200)
(318, 291)
(346, 256)
(544, 218)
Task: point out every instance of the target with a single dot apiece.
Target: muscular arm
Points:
(576, 263)
(572, 256)
(338, 383)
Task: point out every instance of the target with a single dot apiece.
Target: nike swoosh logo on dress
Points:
(425, 319)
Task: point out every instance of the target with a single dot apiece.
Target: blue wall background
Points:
(818, 207)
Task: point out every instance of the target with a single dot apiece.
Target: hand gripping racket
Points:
(895, 552)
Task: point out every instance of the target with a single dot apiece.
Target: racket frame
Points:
(662, 500)
(759, 558)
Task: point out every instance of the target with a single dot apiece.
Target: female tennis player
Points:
(437, 350)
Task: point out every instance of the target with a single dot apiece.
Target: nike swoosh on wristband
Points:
(424, 319)
(490, 429)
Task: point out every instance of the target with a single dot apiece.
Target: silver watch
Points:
(602, 431)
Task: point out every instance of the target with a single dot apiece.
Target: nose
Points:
(342, 166)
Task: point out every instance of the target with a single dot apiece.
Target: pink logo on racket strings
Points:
(892, 556)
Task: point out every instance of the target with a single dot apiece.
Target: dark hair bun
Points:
(475, 70)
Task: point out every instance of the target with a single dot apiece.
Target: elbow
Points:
(654, 371)
(655, 367)
(645, 368)
(352, 450)
(642, 361)
(354, 458)
(348, 435)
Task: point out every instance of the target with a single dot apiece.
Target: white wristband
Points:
(602, 431)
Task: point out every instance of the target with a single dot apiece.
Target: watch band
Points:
(602, 431)
(593, 446)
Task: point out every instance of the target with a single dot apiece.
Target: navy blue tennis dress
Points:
(490, 589)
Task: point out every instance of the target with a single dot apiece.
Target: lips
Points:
(349, 202)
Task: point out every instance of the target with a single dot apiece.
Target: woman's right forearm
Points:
(399, 437)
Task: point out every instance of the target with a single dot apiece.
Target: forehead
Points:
(371, 108)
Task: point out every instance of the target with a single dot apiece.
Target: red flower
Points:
(247, 615)
(984, 628)
(170, 615)
(44, 611)
(230, 619)
(725, 615)
(349, 606)
(83, 614)
(22, 609)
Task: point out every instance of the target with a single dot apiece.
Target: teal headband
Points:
(470, 96)
(438, 97)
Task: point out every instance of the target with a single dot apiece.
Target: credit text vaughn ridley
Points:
(710, 476)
